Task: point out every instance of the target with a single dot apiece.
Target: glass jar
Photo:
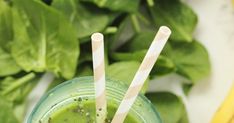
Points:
(83, 88)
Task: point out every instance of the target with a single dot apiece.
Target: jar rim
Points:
(113, 86)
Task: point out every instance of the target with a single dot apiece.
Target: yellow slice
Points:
(225, 113)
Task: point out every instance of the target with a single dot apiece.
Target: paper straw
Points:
(99, 76)
(142, 74)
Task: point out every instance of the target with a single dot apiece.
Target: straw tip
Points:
(165, 30)
(97, 36)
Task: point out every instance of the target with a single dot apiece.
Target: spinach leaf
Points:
(176, 15)
(129, 29)
(120, 36)
(128, 56)
(6, 31)
(145, 19)
(85, 20)
(141, 41)
(6, 113)
(117, 5)
(162, 66)
(85, 56)
(85, 70)
(191, 59)
(136, 49)
(16, 89)
(138, 46)
(169, 106)
(44, 41)
(125, 71)
(7, 65)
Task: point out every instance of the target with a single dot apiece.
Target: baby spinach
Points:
(141, 41)
(169, 106)
(177, 15)
(123, 56)
(16, 89)
(13, 91)
(85, 70)
(117, 5)
(85, 56)
(45, 41)
(163, 65)
(7, 113)
(136, 49)
(120, 36)
(7, 65)
(83, 19)
(191, 59)
(6, 32)
(125, 71)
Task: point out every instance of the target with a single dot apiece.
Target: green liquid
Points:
(74, 102)
(83, 111)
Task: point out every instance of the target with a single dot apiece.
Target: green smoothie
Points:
(74, 102)
(84, 112)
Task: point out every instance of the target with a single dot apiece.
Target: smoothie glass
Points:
(74, 102)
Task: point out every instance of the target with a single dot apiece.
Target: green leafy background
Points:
(38, 36)
(169, 106)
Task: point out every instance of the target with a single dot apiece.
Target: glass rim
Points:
(88, 78)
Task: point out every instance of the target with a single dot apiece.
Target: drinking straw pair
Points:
(138, 80)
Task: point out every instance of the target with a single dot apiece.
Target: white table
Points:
(216, 31)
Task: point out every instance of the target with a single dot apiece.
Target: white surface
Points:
(216, 31)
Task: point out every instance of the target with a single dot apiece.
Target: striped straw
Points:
(99, 76)
(142, 74)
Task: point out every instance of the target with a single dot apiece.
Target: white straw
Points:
(142, 74)
(99, 76)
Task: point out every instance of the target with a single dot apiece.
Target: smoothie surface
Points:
(83, 111)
